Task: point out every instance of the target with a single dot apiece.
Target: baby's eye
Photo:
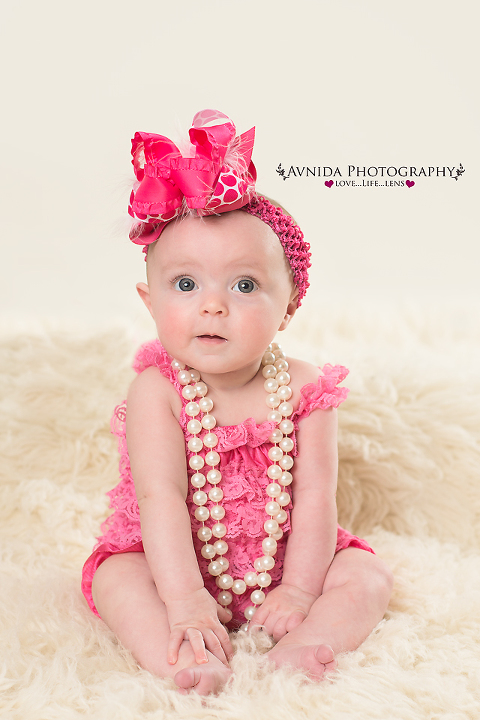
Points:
(185, 284)
(245, 286)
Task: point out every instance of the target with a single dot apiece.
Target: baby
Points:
(226, 507)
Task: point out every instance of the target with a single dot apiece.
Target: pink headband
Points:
(218, 178)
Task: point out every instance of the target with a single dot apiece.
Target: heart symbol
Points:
(329, 183)
(410, 183)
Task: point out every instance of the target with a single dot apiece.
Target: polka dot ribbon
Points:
(219, 176)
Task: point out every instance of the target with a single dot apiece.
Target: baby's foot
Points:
(203, 679)
(315, 659)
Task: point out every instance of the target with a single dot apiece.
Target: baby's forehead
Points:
(230, 238)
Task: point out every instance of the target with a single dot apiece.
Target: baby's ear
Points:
(290, 311)
(144, 292)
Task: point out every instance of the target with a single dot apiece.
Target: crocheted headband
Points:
(218, 176)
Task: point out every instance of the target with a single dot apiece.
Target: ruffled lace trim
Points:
(322, 394)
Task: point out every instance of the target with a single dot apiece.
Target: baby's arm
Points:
(156, 448)
(312, 542)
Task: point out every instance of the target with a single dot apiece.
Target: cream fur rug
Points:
(409, 482)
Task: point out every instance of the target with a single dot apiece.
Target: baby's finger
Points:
(295, 620)
(279, 631)
(224, 614)
(198, 644)
(259, 618)
(175, 640)
(214, 645)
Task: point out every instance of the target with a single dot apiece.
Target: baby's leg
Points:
(355, 597)
(126, 598)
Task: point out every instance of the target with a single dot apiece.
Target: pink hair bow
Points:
(219, 177)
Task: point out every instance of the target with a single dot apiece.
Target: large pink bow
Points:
(219, 177)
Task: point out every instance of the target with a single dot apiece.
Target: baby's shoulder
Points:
(151, 388)
(302, 373)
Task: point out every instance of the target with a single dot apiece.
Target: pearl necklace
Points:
(194, 390)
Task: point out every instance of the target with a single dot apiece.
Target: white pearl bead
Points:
(274, 416)
(189, 393)
(216, 494)
(278, 535)
(269, 546)
(257, 597)
(195, 444)
(272, 507)
(286, 462)
(244, 626)
(204, 533)
(239, 587)
(217, 512)
(279, 354)
(284, 392)
(210, 440)
(221, 547)
(281, 516)
(224, 598)
(274, 472)
(224, 582)
(192, 409)
(285, 408)
(224, 563)
(212, 458)
(202, 513)
(200, 497)
(268, 358)
(205, 404)
(267, 562)
(272, 400)
(281, 364)
(264, 579)
(270, 385)
(214, 568)
(273, 490)
(208, 422)
(283, 378)
(286, 444)
(287, 426)
(286, 478)
(194, 427)
(183, 377)
(194, 375)
(196, 462)
(249, 612)
(269, 371)
(276, 436)
(200, 389)
(283, 499)
(198, 480)
(219, 530)
(177, 365)
(214, 476)
(270, 526)
(250, 579)
(208, 552)
(275, 453)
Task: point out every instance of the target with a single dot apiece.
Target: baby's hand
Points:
(196, 618)
(284, 608)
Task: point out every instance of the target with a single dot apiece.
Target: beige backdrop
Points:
(326, 84)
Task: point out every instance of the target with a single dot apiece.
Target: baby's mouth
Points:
(211, 338)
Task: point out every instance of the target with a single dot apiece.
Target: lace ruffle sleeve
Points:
(324, 393)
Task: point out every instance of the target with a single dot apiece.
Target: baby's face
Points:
(219, 288)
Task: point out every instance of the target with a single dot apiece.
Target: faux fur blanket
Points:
(409, 483)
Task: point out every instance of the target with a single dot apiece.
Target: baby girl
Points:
(226, 509)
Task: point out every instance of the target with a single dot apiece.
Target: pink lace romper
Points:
(243, 463)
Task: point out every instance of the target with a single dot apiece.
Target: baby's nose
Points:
(214, 303)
